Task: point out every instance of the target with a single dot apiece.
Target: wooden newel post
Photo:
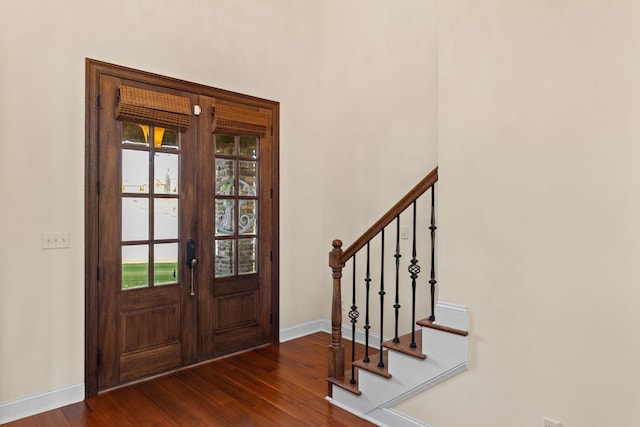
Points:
(336, 349)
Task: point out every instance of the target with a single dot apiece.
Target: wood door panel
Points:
(152, 361)
(157, 296)
(233, 340)
(241, 284)
(236, 311)
(149, 327)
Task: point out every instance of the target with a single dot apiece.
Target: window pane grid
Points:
(236, 205)
(150, 206)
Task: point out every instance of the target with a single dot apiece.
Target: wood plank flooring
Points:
(278, 385)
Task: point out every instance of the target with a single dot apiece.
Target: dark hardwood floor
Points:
(278, 385)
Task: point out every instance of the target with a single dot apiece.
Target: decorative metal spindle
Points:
(353, 315)
(397, 256)
(367, 281)
(381, 293)
(414, 269)
(433, 228)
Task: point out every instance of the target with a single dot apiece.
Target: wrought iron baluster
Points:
(397, 256)
(381, 293)
(433, 228)
(367, 281)
(414, 269)
(353, 315)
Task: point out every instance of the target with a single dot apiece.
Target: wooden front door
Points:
(184, 220)
(235, 201)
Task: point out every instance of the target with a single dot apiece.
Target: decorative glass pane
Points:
(166, 171)
(135, 267)
(249, 146)
(248, 178)
(165, 218)
(165, 263)
(224, 250)
(225, 177)
(134, 133)
(247, 222)
(247, 256)
(165, 138)
(225, 221)
(135, 171)
(135, 219)
(171, 139)
(225, 144)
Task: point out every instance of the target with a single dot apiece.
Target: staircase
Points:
(401, 367)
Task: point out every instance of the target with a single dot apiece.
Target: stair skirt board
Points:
(446, 357)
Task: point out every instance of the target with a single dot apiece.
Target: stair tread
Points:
(404, 345)
(344, 383)
(432, 325)
(372, 365)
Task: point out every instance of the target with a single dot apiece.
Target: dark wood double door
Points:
(183, 225)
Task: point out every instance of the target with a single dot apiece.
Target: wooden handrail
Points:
(386, 219)
(337, 260)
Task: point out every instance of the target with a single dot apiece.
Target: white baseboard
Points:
(323, 325)
(31, 405)
(392, 418)
(297, 331)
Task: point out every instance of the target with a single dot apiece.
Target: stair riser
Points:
(454, 316)
(442, 348)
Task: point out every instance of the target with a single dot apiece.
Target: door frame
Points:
(93, 70)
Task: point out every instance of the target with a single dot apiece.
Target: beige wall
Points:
(336, 68)
(540, 211)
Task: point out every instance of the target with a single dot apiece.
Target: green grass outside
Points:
(135, 275)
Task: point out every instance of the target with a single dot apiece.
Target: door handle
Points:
(192, 261)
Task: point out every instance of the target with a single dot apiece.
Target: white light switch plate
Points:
(55, 240)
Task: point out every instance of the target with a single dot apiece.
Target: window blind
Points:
(239, 120)
(153, 108)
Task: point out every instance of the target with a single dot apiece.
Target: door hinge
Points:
(99, 102)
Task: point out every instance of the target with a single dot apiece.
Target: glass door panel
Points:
(150, 205)
(165, 263)
(225, 219)
(225, 177)
(135, 219)
(236, 186)
(225, 258)
(166, 173)
(135, 266)
(248, 223)
(165, 218)
(247, 256)
(248, 178)
(135, 171)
